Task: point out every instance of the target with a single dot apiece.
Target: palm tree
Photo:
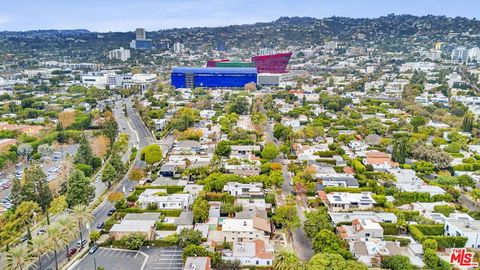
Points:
(56, 239)
(475, 196)
(18, 258)
(69, 228)
(39, 247)
(82, 215)
(287, 260)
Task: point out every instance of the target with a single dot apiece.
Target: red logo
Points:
(461, 257)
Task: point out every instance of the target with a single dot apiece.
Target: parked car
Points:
(113, 210)
(83, 242)
(24, 238)
(41, 231)
(100, 225)
(93, 249)
(72, 251)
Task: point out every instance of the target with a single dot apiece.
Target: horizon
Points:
(123, 16)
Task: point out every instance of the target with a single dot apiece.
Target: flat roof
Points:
(243, 70)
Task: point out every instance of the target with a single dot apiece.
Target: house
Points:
(207, 114)
(336, 180)
(159, 124)
(344, 201)
(240, 230)
(252, 253)
(135, 223)
(197, 263)
(379, 161)
(168, 170)
(361, 228)
(341, 217)
(466, 227)
(162, 200)
(358, 146)
(244, 151)
(408, 181)
(243, 169)
(370, 250)
(254, 189)
(188, 146)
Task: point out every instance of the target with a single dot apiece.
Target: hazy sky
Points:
(125, 15)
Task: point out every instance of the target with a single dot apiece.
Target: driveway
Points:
(165, 258)
(112, 258)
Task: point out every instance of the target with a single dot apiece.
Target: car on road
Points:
(82, 243)
(291, 183)
(100, 225)
(93, 249)
(72, 251)
(41, 231)
(111, 211)
(24, 238)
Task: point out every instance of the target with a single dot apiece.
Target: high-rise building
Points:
(141, 42)
(140, 33)
(178, 47)
(119, 54)
(474, 54)
(438, 46)
(460, 54)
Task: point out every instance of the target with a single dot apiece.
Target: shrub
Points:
(390, 228)
(403, 241)
(347, 189)
(396, 262)
(160, 226)
(444, 209)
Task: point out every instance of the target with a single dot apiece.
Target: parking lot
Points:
(167, 258)
(111, 258)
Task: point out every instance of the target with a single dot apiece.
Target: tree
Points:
(200, 210)
(287, 217)
(24, 150)
(399, 153)
(328, 261)
(100, 145)
(110, 129)
(137, 174)
(317, 221)
(39, 247)
(151, 154)
(223, 149)
(467, 124)
(66, 118)
(82, 216)
(109, 175)
(117, 163)
(239, 106)
(396, 262)
(35, 187)
(86, 169)
(189, 237)
(121, 145)
(270, 151)
(194, 251)
(84, 153)
(327, 241)
(287, 260)
(430, 258)
(430, 244)
(417, 121)
(423, 167)
(56, 239)
(18, 258)
(115, 196)
(69, 229)
(94, 235)
(79, 189)
(432, 154)
(133, 241)
(475, 196)
(44, 149)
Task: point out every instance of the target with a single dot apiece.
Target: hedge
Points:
(167, 213)
(403, 241)
(347, 189)
(328, 161)
(423, 232)
(390, 228)
(328, 153)
(467, 167)
(170, 189)
(160, 226)
(410, 197)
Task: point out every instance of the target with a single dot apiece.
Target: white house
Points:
(240, 189)
(163, 200)
(344, 201)
(467, 227)
(254, 253)
(361, 228)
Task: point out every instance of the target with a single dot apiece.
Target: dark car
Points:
(100, 225)
(24, 238)
(93, 249)
(113, 210)
(72, 251)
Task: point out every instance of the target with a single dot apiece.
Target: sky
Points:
(126, 15)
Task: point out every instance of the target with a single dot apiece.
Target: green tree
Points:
(84, 153)
(35, 187)
(117, 163)
(399, 153)
(416, 122)
(200, 210)
(94, 235)
(189, 237)
(423, 167)
(239, 106)
(134, 241)
(475, 194)
(39, 246)
(327, 241)
(270, 151)
(287, 217)
(328, 261)
(430, 258)
(69, 229)
(223, 149)
(56, 239)
(110, 129)
(109, 174)
(287, 260)
(430, 244)
(317, 221)
(82, 216)
(151, 154)
(194, 251)
(467, 124)
(397, 262)
(79, 190)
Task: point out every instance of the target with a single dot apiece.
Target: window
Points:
(268, 262)
(367, 235)
(257, 262)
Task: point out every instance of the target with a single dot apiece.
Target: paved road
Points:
(302, 244)
(141, 137)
